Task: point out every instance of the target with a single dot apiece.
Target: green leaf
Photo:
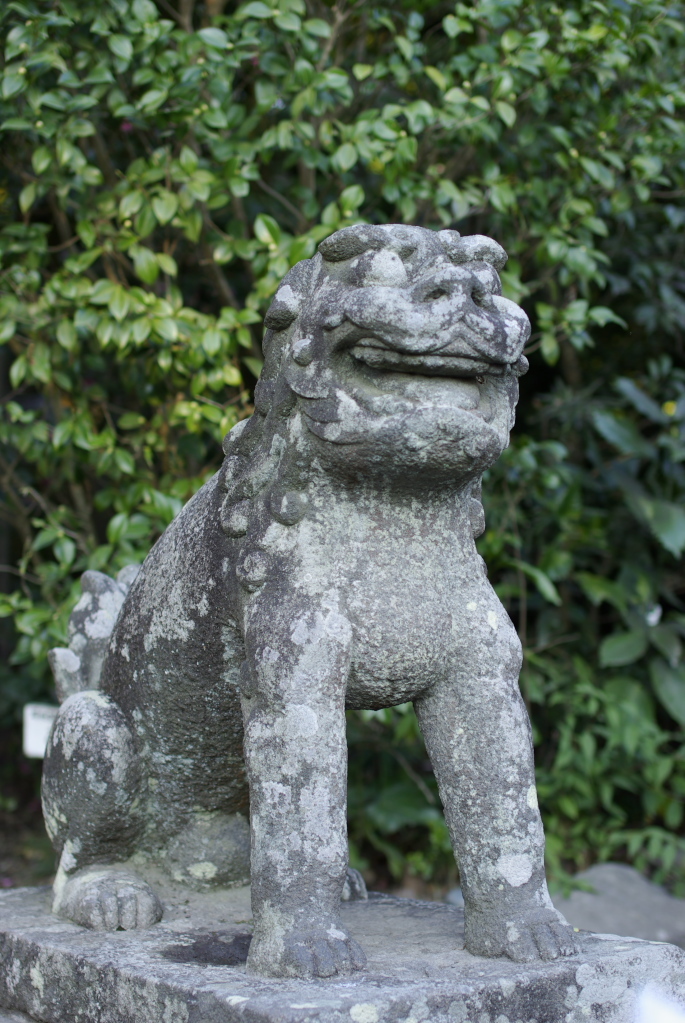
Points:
(130, 204)
(27, 197)
(453, 26)
(506, 112)
(65, 551)
(130, 421)
(362, 71)
(121, 46)
(351, 199)
(18, 370)
(167, 264)
(211, 341)
(214, 37)
(40, 363)
(549, 347)
(622, 434)
(152, 99)
(345, 157)
(145, 222)
(288, 22)
(41, 159)
(124, 461)
(140, 328)
(119, 303)
(436, 77)
(223, 253)
(267, 230)
(256, 9)
(192, 225)
(669, 686)
(165, 206)
(667, 641)
(166, 328)
(598, 589)
(12, 84)
(66, 335)
(598, 172)
(665, 519)
(117, 527)
(145, 11)
(145, 263)
(623, 648)
(317, 27)
(641, 401)
(8, 329)
(544, 584)
(188, 160)
(86, 233)
(255, 366)
(602, 315)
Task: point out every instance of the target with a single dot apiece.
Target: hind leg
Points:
(91, 783)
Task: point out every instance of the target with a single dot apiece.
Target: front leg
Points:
(478, 737)
(298, 655)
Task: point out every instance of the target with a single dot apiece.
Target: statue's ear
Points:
(289, 299)
(284, 309)
(473, 248)
(352, 241)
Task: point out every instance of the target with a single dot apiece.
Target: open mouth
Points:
(375, 354)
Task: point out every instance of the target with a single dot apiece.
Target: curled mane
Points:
(259, 474)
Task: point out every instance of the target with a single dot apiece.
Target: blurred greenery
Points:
(164, 163)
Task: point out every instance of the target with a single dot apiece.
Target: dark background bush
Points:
(164, 163)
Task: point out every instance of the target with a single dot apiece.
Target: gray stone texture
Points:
(14, 1017)
(622, 901)
(191, 969)
(330, 563)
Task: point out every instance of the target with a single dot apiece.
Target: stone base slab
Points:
(190, 968)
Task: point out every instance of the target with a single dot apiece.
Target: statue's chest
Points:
(404, 606)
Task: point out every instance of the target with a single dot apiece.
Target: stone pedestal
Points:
(190, 969)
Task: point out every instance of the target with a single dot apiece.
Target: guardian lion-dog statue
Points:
(330, 562)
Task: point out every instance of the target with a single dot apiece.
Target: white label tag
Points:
(38, 718)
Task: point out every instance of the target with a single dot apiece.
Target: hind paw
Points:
(108, 899)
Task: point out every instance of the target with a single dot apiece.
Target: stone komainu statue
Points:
(330, 563)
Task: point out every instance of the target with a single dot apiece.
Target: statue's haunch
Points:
(331, 562)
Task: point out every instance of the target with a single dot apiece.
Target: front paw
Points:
(306, 953)
(525, 935)
(108, 899)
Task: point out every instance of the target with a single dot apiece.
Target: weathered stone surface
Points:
(624, 902)
(14, 1017)
(191, 969)
(330, 562)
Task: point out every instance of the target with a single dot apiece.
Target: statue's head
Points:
(390, 355)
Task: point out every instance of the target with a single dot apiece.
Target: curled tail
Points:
(78, 667)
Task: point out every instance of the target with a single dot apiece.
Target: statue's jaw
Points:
(430, 364)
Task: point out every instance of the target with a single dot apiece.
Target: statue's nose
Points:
(453, 285)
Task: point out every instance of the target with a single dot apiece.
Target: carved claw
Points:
(354, 887)
(539, 933)
(105, 899)
(308, 954)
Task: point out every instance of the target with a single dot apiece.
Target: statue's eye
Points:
(406, 252)
(478, 296)
(435, 294)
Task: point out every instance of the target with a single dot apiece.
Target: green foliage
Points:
(161, 169)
